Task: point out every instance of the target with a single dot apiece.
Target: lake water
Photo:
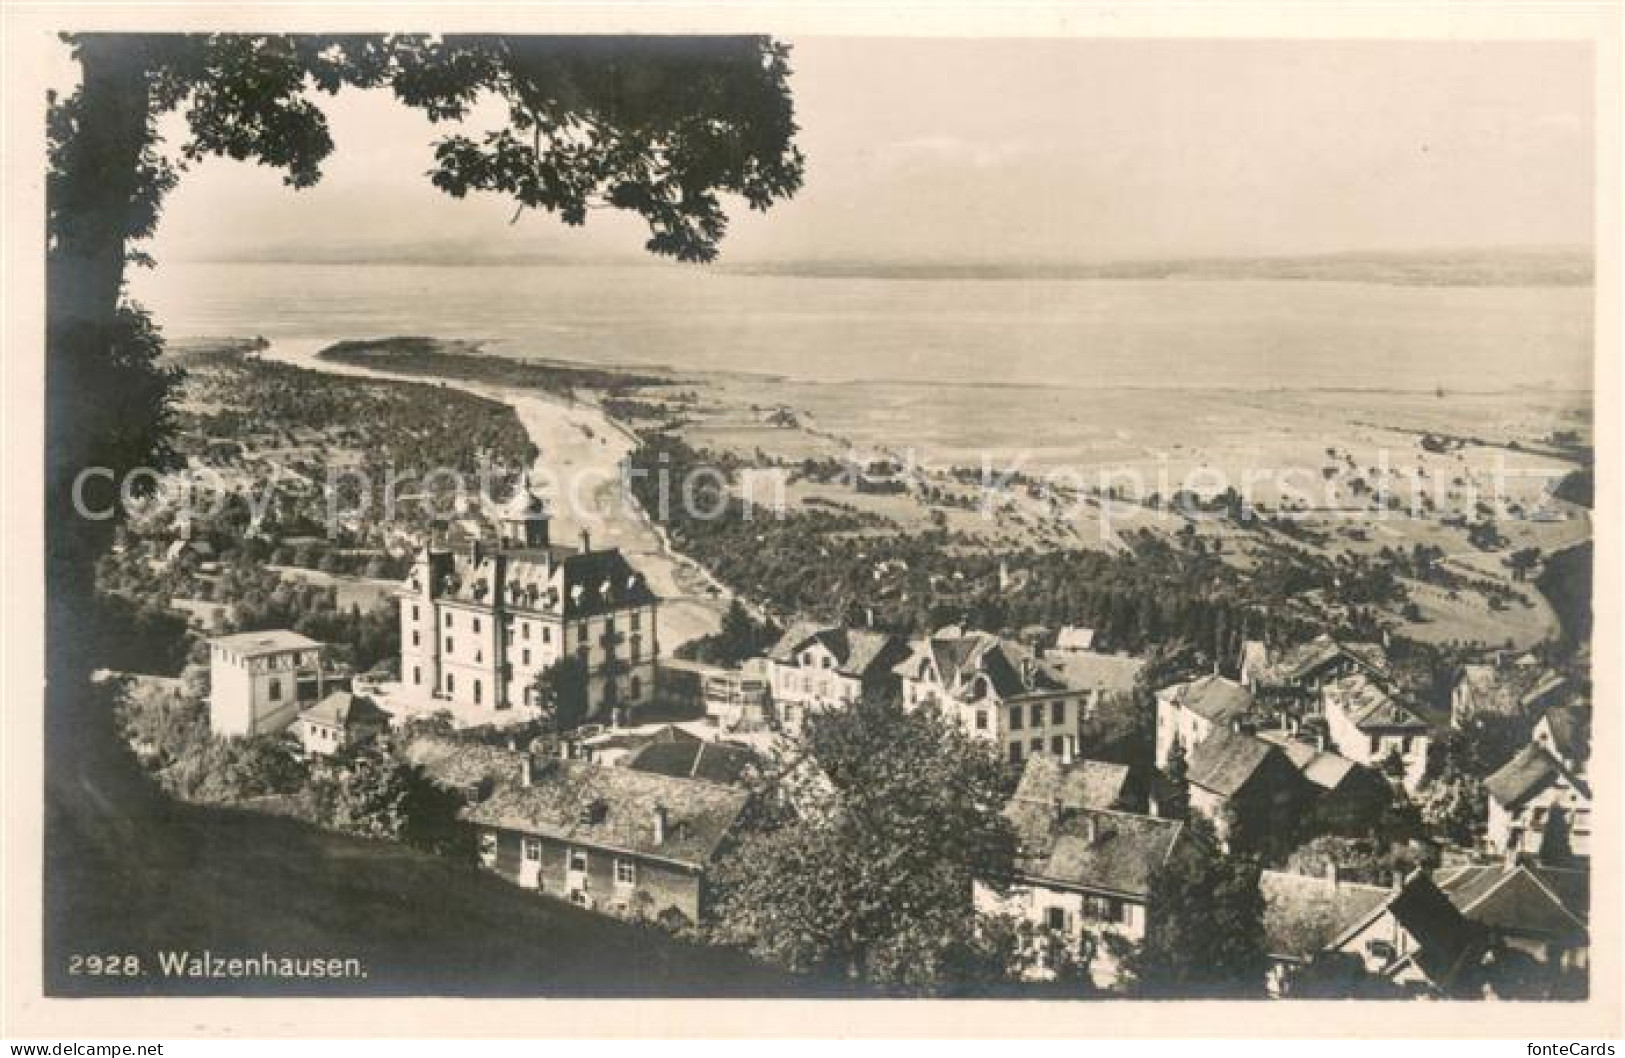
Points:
(1253, 335)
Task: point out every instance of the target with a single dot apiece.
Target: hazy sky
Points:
(1006, 150)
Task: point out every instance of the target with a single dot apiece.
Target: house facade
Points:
(1538, 808)
(258, 681)
(1189, 712)
(1084, 872)
(1541, 913)
(1248, 789)
(998, 691)
(338, 722)
(816, 667)
(1369, 726)
(480, 624)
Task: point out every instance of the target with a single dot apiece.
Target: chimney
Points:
(659, 819)
(586, 541)
(475, 551)
(527, 768)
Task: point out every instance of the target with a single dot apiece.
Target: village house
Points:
(1369, 726)
(1096, 677)
(1189, 712)
(733, 699)
(1538, 808)
(1084, 869)
(618, 840)
(340, 721)
(479, 625)
(1236, 779)
(1540, 913)
(1564, 731)
(996, 690)
(1297, 674)
(1519, 687)
(1326, 936)
(1347, 798)
(258, 681)
(815, 667)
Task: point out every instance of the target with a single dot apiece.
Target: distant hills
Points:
(1536, 266)
(1511, 266)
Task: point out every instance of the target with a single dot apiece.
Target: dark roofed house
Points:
(1297, 673)
(613, 839)
(1348, 797)
(1521, 688)
(1540, 913)
(1370, 725)
(1564, 731)
(1239, 778)
(1080, 784)
(1083, 874)
(1538, 807)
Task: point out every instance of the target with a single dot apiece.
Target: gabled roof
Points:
(1304, 915)
(457, 764)
(614, 808)
(1545, 902)
(858, 652)
(1104, 673)
(345, 710)
(555, 579)
(1009, 669)
(274, 641)
(1226, 761)
(1214, 698)
(1369, 707)
(1444, 937)
(1299, 663)
(1081, 784)
(1082, 848)
(1570, 727)
(1532, 770)
(1324, 768)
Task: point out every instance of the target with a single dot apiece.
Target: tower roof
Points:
(525, 503)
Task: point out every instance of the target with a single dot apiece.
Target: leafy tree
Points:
(1456, 808)
(877, 886)
(1370, 860)
(560, 692)
(1177, 790)
(1205, 929)
(371, 796)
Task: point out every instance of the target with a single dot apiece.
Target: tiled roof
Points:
(1304, 914)
(1324, 768)
(1226, 761)
(1369, 707)
(614, 808)
(1545, 902)
(274, 641)
(1214, 698)
(1115, 852)
(1300, 662)
(457, 764)
(1526, 774)
(1081, 784)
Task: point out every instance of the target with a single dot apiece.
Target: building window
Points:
(626, 873)
(1015, 753)
(637, 620)
(1376, 744)
(414, 637)
(1103, 908)
(636, 647)
(417, 676)
(1037, 716)
(524, 629)
(981, 719)
(524, 656)
(1057, 712)
(448, 644)
(476, 626)
(637, 688)
(275, 689)
(414, 611)
(448, 618)
(547, 634)
(576, 860)
(1055, 919)
(1015, 718)
(1057, 745)
(451, 683)
(488, 847)
(533, 850)
(476, 692)
(1037, 745)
